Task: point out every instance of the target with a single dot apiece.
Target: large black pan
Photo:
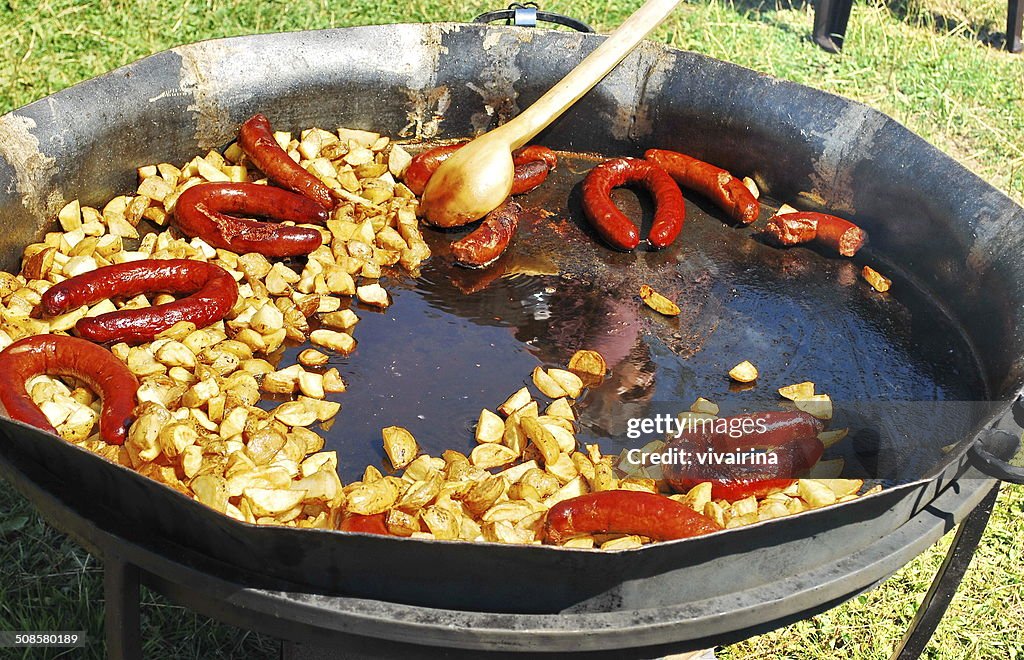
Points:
(911, 370)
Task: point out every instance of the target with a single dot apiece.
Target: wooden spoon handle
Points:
(587, 73)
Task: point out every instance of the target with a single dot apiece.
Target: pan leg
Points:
(946, 581)
(1014, 19)
(121, 609)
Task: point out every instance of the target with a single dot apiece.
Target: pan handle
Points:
(1002, 439)
(527, 14)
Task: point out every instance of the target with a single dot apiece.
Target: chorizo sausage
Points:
(213, 290)
(532, 165)
(257, 141)
(59, 355)
(611, 223)
(718, 185)
(805, 226)
(484, 245)
(373, 524)
(624, 512)
(792, 437)
(203, 210)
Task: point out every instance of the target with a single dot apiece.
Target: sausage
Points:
(624, 512)
(791, 436)
(203, 210)
(59, 355)
(611, 223)
(366, 524)
(213, 290)
(718, 185)
(805, 226)
(532, 165)
(484, 245)
(257, 141)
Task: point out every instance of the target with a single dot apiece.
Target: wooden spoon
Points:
(478, 177)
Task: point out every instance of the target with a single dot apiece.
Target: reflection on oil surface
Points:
(455, 341)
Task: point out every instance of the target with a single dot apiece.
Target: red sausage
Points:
(791, 436)
(833, 232)
(257, 141)
(611, 223)
(624, 512)
(59, 355)
(213, 290)
(202, 211)
(366, 524)
(532, 165)
(716, 184)
(484, 245)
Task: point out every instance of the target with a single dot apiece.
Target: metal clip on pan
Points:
(527, 14)
(1002, 439)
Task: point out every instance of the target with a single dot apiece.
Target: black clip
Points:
(526, 14)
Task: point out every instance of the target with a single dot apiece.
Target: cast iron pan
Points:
(454, 341)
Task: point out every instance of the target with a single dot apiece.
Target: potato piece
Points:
(878, 281)
(368, 499)
(483, 494)
(798, 391)
(541, 438)
(421, 493)
(400, 523)
(373, 294)
(560, 408)
(517, 400)
(819, 405)
(815, 493)
(340, 342)
(399, 445)
(829, 438)
(442, 523)
(547, 385)
(572, 489)
(492, 455)
(698, 497)
(590, 366)
(271, 502)
(744, 372)
(658, 302)
(489, 427)
(843, 487)
(211, 490)
(703, 406)
(568, 381)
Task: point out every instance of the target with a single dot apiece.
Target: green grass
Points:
(924, 62)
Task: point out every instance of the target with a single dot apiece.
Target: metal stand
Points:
(831, 17)
(121, 590)
(121, 609)
(947, 579)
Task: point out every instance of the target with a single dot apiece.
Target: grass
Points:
(925, 62)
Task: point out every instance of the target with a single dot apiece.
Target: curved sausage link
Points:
(203, 211)
(213, 290)
(485, 244)
(718, 185)
(257, 141)
(611, 223)
(532, 165)
(624, 512)
(805, 226)
(59, 355)
(791, 436)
